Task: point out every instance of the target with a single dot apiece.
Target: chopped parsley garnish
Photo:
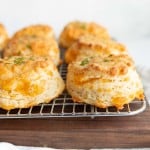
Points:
(46, 58)
(106, 60)
(19, 53)
(31, 58)
(29, 46)
(19, 60)
(92, 57)
(34, 36)
(83, 26)
(84, 62)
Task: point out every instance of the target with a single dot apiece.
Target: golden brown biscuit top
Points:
(75, 29)
(30, 45)
(26, 75)
(94, 42)
(89, 45)
(36, 30)
(26, 63)
(78, 28)
(112, 65)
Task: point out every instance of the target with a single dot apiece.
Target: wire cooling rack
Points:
(63, 106)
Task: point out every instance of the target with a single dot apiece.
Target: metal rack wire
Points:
(63, 106)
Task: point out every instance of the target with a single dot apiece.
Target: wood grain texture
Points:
(102, 132)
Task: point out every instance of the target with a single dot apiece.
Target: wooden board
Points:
(102, 132)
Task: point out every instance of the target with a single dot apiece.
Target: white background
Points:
(127, 20)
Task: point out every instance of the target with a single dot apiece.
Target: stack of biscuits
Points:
(28, 67)
(100, 70)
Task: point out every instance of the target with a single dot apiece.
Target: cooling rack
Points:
(63, 106)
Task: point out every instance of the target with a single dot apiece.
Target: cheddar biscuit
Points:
(38, 30)
(28, 81)
(88, 45)
(104, 81)
(33, 46)
(74, 30)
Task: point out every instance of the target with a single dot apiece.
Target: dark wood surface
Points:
(102, 132)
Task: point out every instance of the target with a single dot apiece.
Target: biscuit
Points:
(88, 45)
(35, 30)
(28, 81)
(74, 30)
(104, 81)
(33, 46)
